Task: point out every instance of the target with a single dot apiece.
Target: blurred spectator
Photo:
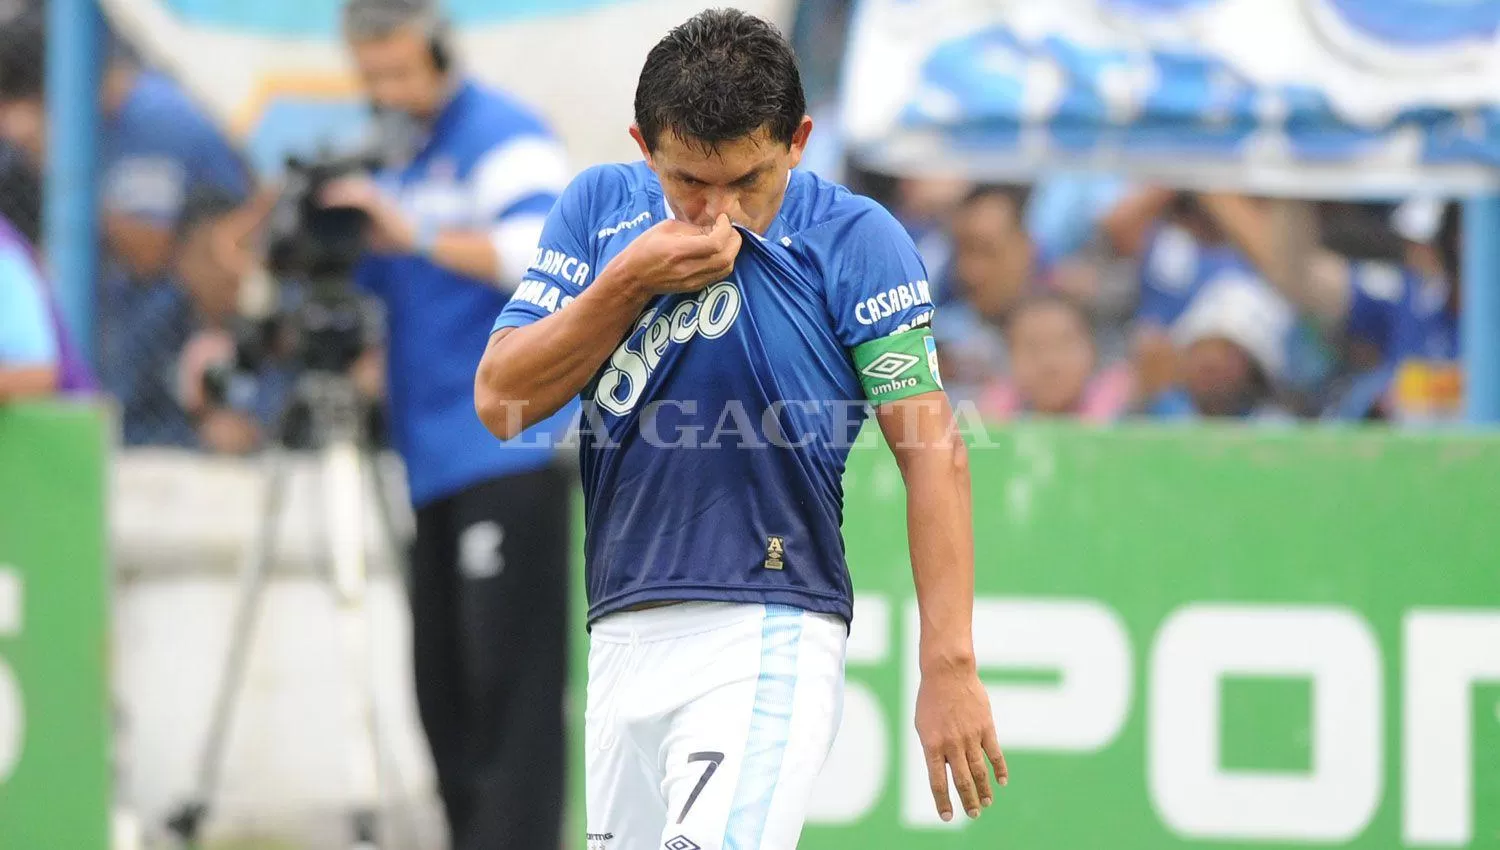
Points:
(993, 265)
(46, 344)
(233, 399)
(1230, 353)
(156, 147)
(29, 350)
(20, 192)
(1055, 367)
(1400, 320)
(1067, 211)
(926, 207)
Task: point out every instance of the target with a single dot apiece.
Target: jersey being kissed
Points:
(714, 438)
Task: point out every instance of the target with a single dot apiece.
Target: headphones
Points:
(439, 36)
(424, 13)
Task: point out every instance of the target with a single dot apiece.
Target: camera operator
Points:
(452, 228)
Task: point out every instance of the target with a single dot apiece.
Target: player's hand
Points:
(957, 732)
(675, 256)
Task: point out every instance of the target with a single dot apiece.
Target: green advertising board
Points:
(1195, 639)
(54, 719)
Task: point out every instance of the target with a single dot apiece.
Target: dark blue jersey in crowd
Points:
(489, 165)
(715, 436)
(1409, 321)
(1175, 268)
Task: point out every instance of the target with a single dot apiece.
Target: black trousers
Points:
(489, 597)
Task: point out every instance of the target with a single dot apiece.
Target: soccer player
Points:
(716, 309)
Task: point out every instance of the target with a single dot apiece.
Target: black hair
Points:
(22, 42)
(720, 76)
(1449, 241)
(205, 204)
(1360, 231)
(1033, 301)
(1017, 196)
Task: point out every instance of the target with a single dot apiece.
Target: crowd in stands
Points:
(1088, 297)
(1080, 296)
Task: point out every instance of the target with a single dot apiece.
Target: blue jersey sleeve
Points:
(877, 283)
(564, 259)
(1378, 293)
(26, 331)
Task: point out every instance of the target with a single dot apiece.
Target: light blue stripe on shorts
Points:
(770, 728)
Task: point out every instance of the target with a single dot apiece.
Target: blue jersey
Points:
(489, 166)
(715, 436)
(1408, 320)
(1175, 268)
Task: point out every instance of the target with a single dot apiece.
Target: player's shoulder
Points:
(611, 197)
(825, 214)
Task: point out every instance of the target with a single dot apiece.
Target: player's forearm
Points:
(529, 373)
(941, 533)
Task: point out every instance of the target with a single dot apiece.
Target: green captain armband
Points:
(898, 366)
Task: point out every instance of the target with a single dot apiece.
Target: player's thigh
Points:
(742, 759)
(623, 804)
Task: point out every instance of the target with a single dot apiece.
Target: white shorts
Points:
(707, 724)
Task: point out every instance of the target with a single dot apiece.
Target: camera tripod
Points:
(347, 469)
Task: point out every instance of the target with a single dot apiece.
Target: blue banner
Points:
(1341, 97)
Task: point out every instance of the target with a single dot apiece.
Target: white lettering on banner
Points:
(561, 265)
(12, 709)
(1446, 654)
(1201, 645)
(854, 775)
(892, 301)
(710, 315)
(624, 225)
(1082, 640)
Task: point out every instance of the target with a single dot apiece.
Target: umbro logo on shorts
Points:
(681, 842)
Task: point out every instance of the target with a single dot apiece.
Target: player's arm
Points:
(895, 358)
(531, 370)
(954, 721)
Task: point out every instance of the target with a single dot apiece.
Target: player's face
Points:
(1052, 358)
(744, 179)
(398, 72)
